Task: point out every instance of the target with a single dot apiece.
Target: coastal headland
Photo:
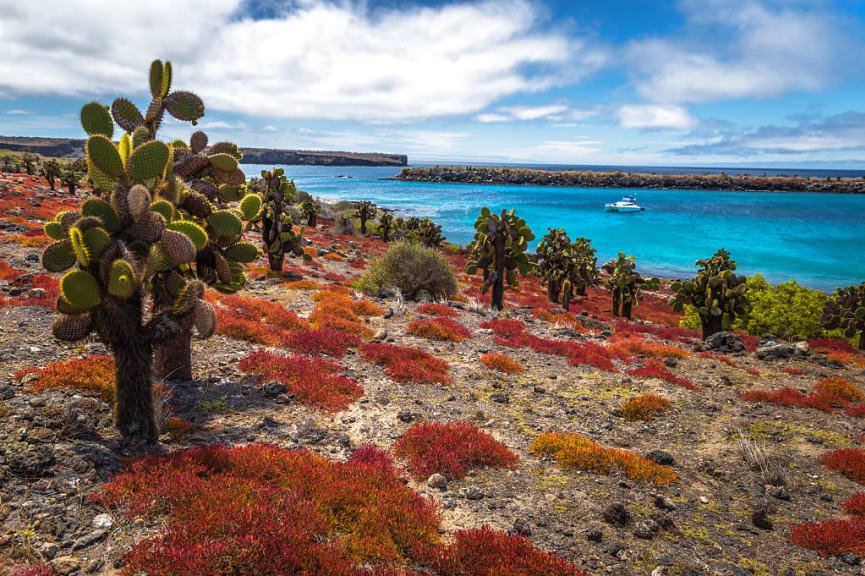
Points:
(73, 148)
(618, 179)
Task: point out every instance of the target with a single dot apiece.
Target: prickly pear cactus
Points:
(585, 265)
(499, 249)
(365, 211)
(51, 171)
(626, 285)
(386, 225)
(715, 292)
(427, 233)
(552, 253)
(310, 210)
(846, 310)
(277, 234)
(139, 237)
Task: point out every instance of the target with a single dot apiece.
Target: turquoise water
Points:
(817, 239)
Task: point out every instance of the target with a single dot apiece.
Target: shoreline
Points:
(589, 179)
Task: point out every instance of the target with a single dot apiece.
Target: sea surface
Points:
(816, 239)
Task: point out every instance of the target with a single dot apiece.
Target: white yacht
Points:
(626, 204)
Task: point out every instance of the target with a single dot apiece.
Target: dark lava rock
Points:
(28, 460)
(273, 388)
(500, 398)
(522, 527)
(617, 515)
(646, 529)
(724, 342)
(851, 559)
(760, 519)
(405, 416)
(661, 457)
(775, 351)
(779, 492)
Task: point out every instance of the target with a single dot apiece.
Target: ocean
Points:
(816, 239)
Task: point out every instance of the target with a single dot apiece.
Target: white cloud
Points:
(320, 59)
(652, 116)
(766, 48)
(19, 112)
(552, 112)
(534, 112)
(491, 117)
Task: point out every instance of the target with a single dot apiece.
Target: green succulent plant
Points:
(846, 310)
(716, 292)
(567, 268)
(277, 234)
(626, 285)
(51, 171)
(427, 233)
(310, 209)
(499, 250)
(145, 234)
(552, 256)
(70, 176)
(29, 163)
(365, 211)
(386, 225)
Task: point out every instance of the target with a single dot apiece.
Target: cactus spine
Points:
(716, 292)
(499, 248)
(626, 285)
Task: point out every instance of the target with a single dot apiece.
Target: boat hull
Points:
(614, 208)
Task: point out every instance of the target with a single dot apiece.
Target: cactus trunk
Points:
(615, 298)
(120, 325)
(173, 361)
(275, 262)
(363, 225)
(553, 291)
(711, 325)
(497, 298)
(311, 220)
(566, 301)
(626, 308)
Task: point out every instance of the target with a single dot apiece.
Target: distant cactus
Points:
(310, 210)
(626, 285)
(147, 235)
(586, 265)
(427, 233)
(277, 234)
(716, 292)
(552, 254)
(365, 211)
(70, 176)
(9, 165)
(386, 225)
(846, 310)
(29, 163)
(51, 171)
(566, 267)
(500, 250)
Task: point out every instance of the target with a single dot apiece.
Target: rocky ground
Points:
(724, 516)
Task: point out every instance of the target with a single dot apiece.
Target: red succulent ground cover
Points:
(265, 510)
(832, 537)
(49, 284)
(849, 461)
(502, 363)
(452, 448)
(86, 374)
(752, 371)
(577, 353)
(792, 371)
(654, 368)
(672, 333)
(441, 328)
(855, 505)
(504, 326)
(431, 309)
(405, 364)
(626, 344)
(254, 319)
(646, 407)
(826, 395)
(324, 341)
(36, 570)
(313, 381)
(575, 452)
(336, 310)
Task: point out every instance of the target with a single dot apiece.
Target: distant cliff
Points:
(73, 148)
(589, 179)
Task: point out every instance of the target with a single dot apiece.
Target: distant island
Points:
(618, 179)
(74, 148)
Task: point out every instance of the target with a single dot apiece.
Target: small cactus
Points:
(846, 310)
(310, 210)
(51, 171)
(716, 292)
(277, 235)
(427, 233)
(386, 226)
(566, 267)
(365, 211)
(499, 249)
(626, 285)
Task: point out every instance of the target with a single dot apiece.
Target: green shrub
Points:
(411, 268)
(787, 310)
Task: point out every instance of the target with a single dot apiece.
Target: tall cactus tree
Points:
(626, 285)
(846, 310)
(585, 272)
(51, 172)
(277, 235)
(500, 247)
(427, 233)
(133, 240)
(365, 211)
(29, 163)
(715, 292)
(552, 252)
(310, 209)
(70, 176)
(386, 225)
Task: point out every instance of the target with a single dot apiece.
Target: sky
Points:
(631, 82)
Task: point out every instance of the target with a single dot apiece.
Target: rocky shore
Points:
(589, 179)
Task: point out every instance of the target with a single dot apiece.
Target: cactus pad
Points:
(102, 153)
(177, 247)
(59, 256)
(204, 319)
(230, 193)
(250, 206)
(198, 205)
(54, 230)
(156, 78)
(81, 289)
(148, 160)
(164, 208)
(184, 106)
(224, 162)
(191, 293)
(149, 229)
(96, 120)
(138, 200)
(192, 230)
(79, 247)
(121, 279)
(225, 223)
(97, 241)
(242, 252)
(72, 328)
(126, 114)
(198, 141)
(139, 136)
